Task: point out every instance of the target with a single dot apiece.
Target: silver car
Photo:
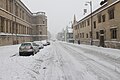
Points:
(28, 48)
(39, 44)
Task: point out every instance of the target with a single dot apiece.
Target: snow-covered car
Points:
(48, 43)
(39, 44)
(44, 42)
(28, 48)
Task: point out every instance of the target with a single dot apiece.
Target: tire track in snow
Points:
(58, 63)
(68, 68)
(89, 62)
(113, 63)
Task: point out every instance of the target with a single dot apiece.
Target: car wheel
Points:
(20, 54)
(33, 53)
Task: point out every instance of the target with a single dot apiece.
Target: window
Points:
(16, 10)
(7, 5)
(85, 23)
(11, 3)
(13, 27)
(6, 26)
(87, 35)
(99, 18)
(113, 33)
(94, 23)
(111, 13)
(40, 33)
(103, 18)
(82, 24)
(2, 24)
(97, 35)
(90, 34)
(16, 25)
(101, 31)
(43, 22)
(10, 26)
(88, 22)
(22, 14)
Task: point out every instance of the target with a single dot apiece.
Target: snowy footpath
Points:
(60, 61)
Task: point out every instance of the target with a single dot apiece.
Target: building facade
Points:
(66, 35)
(16, 23)
(102, 29)
(39, 26)
(69, 35)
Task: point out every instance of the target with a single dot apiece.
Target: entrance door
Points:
(102, 41)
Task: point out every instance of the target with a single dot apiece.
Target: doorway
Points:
(102, 41)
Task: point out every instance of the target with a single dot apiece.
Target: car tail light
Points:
(31, 47)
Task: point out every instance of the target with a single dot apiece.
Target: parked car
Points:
(28, 48)
(44, 43)
(39, 44)
(48, 43)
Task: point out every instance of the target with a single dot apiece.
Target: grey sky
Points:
(60, 12)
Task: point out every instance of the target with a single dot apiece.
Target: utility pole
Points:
(91, 33)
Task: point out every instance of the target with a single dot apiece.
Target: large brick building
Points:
(105, 26)
(18, 24)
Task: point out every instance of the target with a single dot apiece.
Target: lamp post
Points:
(91, 34)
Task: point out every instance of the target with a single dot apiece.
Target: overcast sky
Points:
(60, 12)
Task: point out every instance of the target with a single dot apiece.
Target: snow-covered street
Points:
(61, 61)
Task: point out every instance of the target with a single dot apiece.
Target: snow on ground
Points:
(60, 61)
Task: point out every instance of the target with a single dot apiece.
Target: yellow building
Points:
(105, 30)
(16, 22)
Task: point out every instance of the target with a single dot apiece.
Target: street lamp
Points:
(91, 34)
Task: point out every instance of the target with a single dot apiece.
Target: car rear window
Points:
(26, 44)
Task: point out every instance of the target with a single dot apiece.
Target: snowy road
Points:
(61, 61)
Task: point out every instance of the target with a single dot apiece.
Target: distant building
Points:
(69, 35)
(66, 35)
(105, 26)
(18, 24)
(60, 36)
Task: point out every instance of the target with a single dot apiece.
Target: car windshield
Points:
(25, 44)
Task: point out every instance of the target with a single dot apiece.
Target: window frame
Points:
(113, 32)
